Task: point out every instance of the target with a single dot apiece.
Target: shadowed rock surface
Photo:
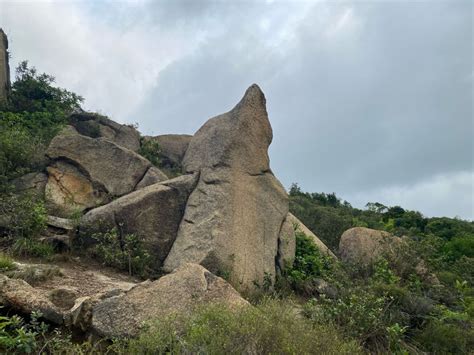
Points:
(172, 147)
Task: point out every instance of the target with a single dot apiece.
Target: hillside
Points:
(122, 243)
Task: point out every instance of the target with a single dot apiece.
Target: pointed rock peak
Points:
(253, 97)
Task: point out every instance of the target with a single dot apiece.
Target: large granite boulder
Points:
(364, 246)
(179, 292)
(86, 172)
(152, 213)
(300, 227)
(172, 147)
(94, 125)
(234, 215)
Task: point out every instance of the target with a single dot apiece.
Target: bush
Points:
(6, 263)
(124, 252)
(150, 150)
(32, 247)
(272, 327)
(309, 266)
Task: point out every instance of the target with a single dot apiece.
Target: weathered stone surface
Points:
(5, 85)
(234, 215)
(152, 213)
(306, 231)
(60, 223)
(32, 182)
(363, 245)
(172, 147)
(20, 296)
(286, 245)
(94, 125)
(68, 190)
(187, 287)
(105, 164)
(152, 176)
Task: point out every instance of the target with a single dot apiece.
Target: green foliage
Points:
(309, 266)
(124, 252)
(33, 115)
(32, 247)
(25, 215)
(6, 263)
(150, 149)
(271, 327)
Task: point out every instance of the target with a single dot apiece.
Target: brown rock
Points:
(286, 245)
(179, 292)
(234, 215)
(172, 147)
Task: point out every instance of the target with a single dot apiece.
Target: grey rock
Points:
(152, 176)
(33, 182)
(172, 147)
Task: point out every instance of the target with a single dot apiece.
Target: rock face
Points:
(286, 245)
(86, 172)
(32, 182)
(363, 246)
(187, 287)
(173, 147)
(234, 215)
(95, 126)
(152, 213)
(4, 67)
(306, 231)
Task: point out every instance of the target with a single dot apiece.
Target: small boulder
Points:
(179, 292)
(364, 246)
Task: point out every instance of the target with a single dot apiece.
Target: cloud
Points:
(364, 97)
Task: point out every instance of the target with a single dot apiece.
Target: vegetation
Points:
(123, 251)
(419, 300)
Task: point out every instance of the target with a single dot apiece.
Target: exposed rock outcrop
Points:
(152, 213)
(233, 217)
(94, 125)
(172, 147)
(363, 246)
(187, 287)
(306, 231)
(86, 172)
(286, 244)
(31, 183)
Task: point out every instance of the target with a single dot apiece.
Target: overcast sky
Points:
(372, 100)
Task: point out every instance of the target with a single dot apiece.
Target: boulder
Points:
(306, 231)
(94, 125)
(172, 147)
(179, 292)
(20, 296)
(364, 246)
(234, 215)
(87, 172)
(33, 182)
(152, 213)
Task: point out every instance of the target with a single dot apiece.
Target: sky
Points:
(372, 100)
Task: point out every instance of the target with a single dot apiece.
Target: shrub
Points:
(124, 252)
(272, 327)
(309, 265)
(150, 150)
(6, 263)
(32, 247)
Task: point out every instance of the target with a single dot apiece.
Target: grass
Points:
(271, 327)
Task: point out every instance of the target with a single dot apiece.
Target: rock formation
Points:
(86, 172)
(4, 68)
(172, 147)
(234, 215)
(152, 213)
